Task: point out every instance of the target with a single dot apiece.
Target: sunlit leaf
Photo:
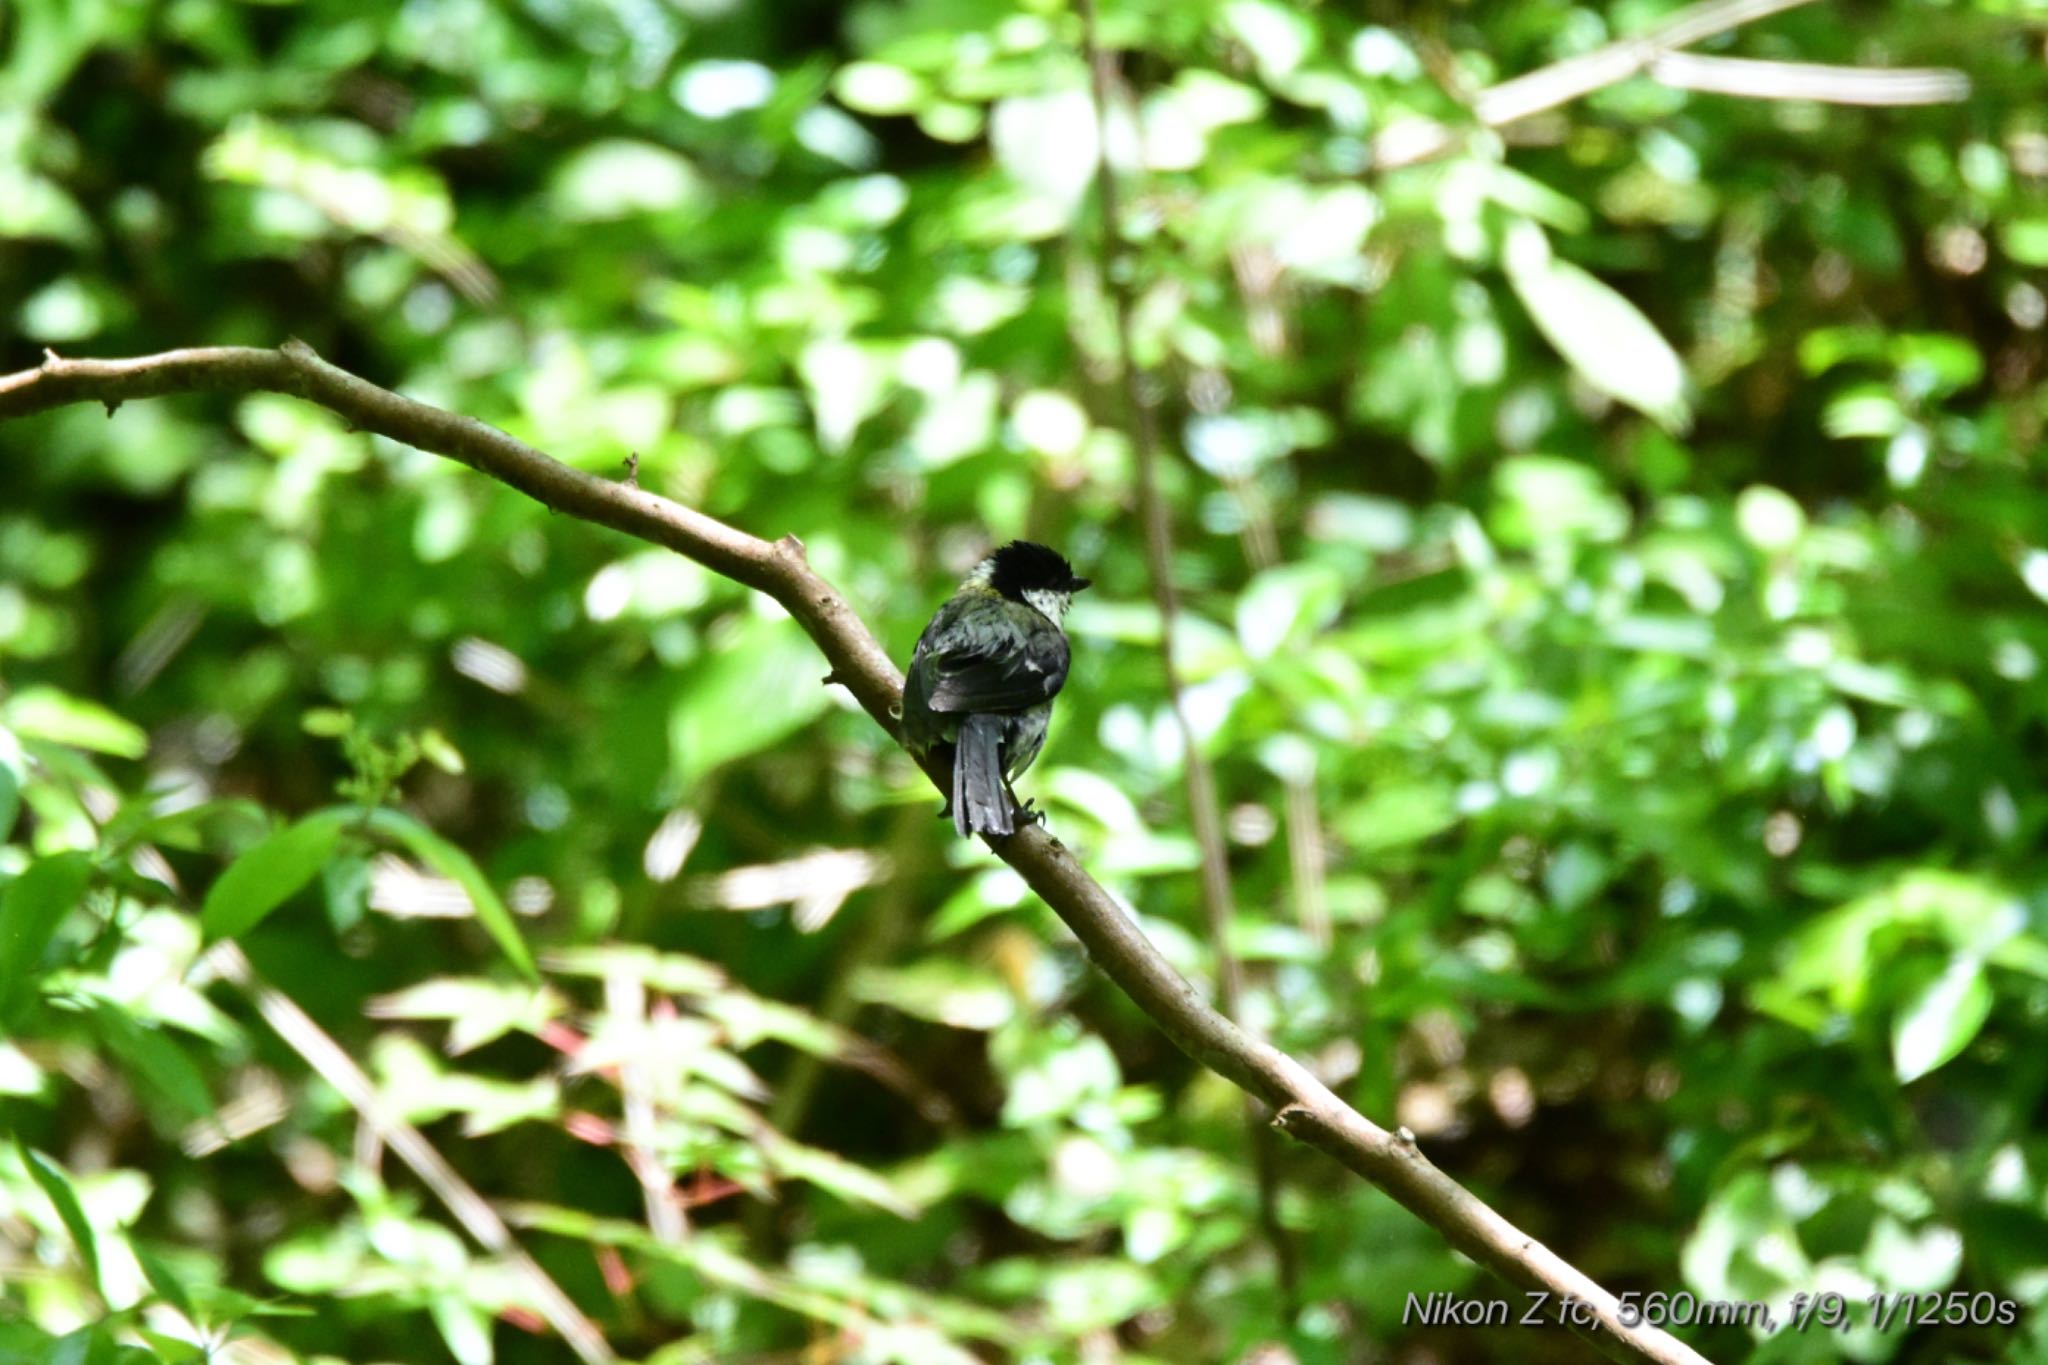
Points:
(1938, 1021)
(60, 718)
(878, 88)
(477, 1011)
(620, 178)
(452, 863)
(1286, 605)
(951, 993)
(1048, 143)
(464, 1328)
(2026, 240)
(1278, 37)
(835, 1174)
(1544, 499)
(1606, 338)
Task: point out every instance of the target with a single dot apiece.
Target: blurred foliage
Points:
(1614, 562)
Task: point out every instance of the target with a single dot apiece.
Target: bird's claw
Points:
(1029, 813)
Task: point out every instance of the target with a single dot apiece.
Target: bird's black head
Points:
(1024, 566)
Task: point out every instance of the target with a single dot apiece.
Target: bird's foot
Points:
(1029, 814)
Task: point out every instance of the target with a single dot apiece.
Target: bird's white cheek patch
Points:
(1053, 605)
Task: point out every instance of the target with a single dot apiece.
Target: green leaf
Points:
(1277, 36)
(1529, 197)
(452, 863)
(878, 88)
(155, 1061)
(1827, 347)
(167, 1285)
(1869, 410)
(620, 178)
(850, 1181)
(47, 714)
(1544, 499)
(757, 688)
(34, 904)
(165, 1349)
(51, 1178)
(13, 768)
(1769, 518)
(956, 994)
(464, 1327)
(477, 1010)
(2026, 240)
(1047, 142)
(1287, 604)
(1935, 363)
(1605, 338)
(92, 1345)
(269, 874)
(1398, 814)
(1837, 952)
(1940, 1019)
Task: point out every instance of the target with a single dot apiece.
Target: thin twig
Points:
(1576, 77)
(1755, 80)
(1299, 815)
(1416, 140)
(625, 999)
(338, 1069)
(1307, 1108)
(1218, 899)
(1303, 822)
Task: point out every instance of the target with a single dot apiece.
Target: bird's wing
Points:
(1002, 669)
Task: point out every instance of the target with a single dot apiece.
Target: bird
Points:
(983, 677)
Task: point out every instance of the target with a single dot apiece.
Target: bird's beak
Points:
(1080, 583)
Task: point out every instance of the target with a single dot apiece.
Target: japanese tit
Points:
(983, 677)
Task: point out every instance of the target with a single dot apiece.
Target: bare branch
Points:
(1576, 77)
(1307, 1108)
(625, 998)
(1217, 900)
(1810, 81)
(1417, 140)
(338, 1069)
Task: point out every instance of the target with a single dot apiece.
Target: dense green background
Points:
(1636, 787)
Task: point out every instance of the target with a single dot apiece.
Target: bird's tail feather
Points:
(980, 804)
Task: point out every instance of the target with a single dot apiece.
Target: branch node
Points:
(299, 353)
(792, 546)
(633, 469)
(304, 361)
(1291, 1116)
(50, 358)
(831, 678)
(1406, 1137)
(112, 405)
